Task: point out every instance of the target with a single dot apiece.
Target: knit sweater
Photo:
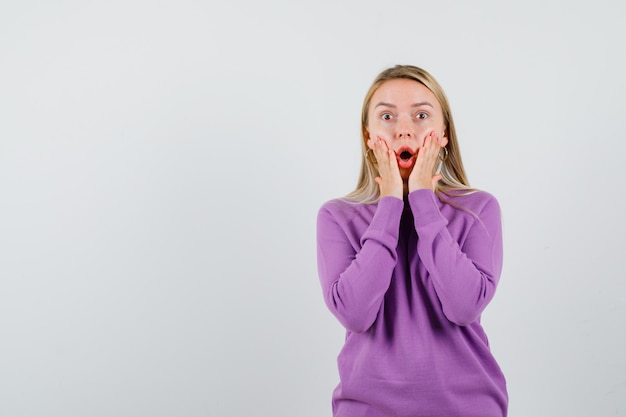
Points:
(409, 281)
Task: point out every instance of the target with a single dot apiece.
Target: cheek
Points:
(377, 127)
(433, 125)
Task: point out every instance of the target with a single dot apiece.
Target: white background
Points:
(162, 164)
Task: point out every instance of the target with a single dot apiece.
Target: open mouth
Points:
(405, 155)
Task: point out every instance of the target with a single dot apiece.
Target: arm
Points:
(464, 278)
(355, 280)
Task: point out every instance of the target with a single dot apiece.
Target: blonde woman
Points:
(408, 261)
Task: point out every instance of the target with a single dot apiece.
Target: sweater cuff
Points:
(425, 207)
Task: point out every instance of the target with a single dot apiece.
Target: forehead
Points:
(403, 92)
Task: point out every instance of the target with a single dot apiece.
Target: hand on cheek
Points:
(389, 180)
(422, 175)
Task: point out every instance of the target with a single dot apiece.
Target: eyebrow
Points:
(421, 103)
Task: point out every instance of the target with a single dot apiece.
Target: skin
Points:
(404, 114)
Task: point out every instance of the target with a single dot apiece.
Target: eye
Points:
(386, 116)
(421, 115)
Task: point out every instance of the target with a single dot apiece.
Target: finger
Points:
(430, 151)
(433, 139)
(382, 152)
(393, 162)
(381, 143)
(425, 161)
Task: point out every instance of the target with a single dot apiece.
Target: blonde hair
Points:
(452, 171)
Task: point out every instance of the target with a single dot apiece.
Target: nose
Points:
(404, 129)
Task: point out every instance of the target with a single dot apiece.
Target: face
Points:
(403, 112)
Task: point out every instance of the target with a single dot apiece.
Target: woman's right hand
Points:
(389, 180)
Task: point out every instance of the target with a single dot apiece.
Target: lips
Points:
(406, 157)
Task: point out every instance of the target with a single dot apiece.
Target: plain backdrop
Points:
(162, 164)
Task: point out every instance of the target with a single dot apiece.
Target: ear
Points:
(368, 139)
(444, 139)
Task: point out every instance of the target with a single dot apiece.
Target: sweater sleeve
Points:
(464, 277)
(355, 277)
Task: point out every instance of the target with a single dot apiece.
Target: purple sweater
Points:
(409, 281)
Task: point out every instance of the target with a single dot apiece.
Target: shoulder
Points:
(475, 201)
(343, 210)
(341, 207)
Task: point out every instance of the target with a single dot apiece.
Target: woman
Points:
(409, 260)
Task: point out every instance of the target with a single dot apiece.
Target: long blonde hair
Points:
(452, 171)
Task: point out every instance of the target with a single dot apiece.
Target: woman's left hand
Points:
(422, 174)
